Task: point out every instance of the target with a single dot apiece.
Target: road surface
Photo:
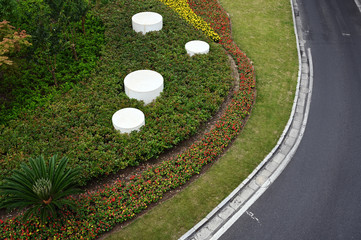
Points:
(318, 196)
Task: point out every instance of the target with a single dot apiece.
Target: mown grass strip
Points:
(264, 30)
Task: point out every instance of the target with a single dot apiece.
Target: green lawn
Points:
(264, 31)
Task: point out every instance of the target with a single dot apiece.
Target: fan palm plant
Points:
(40, 188)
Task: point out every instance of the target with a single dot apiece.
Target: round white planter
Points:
(197, 47)
(143, 85)
(147, 21)
(127, 120)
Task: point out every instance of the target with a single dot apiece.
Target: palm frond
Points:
(41, 188)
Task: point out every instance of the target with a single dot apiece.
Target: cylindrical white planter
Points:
(147, 21)
(143, 85)
(197, 47)
(127, 120)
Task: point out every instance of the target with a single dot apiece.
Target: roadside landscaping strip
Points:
(99, 211)
(232, 207)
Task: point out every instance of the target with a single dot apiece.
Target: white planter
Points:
(147, 21)
(127, 120)
(197, 47)
(143, 85)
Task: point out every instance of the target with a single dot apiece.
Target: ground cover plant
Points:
(78, 124)
(99, 211)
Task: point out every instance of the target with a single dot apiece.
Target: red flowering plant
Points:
(99, 211)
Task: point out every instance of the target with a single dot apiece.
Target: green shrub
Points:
(29, 84)
(40, 188)
(78, 123)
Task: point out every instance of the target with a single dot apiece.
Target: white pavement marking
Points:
(279, 170)
(251, 214)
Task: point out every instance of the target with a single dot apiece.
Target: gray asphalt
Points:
(318, 196)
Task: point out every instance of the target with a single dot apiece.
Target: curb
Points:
(242, 197)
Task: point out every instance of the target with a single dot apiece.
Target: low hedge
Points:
(99, 211)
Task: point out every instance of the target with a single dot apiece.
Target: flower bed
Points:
(99, 211)
(78, 123)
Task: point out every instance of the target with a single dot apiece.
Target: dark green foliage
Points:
(61, 54)
(39, 187)
(28, 84)
(7, 9)
(78, 123)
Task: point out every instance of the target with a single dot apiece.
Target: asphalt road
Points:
(318, 196)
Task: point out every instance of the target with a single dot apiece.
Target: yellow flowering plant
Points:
(183, 9)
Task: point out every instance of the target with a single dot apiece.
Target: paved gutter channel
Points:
(237, 203)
